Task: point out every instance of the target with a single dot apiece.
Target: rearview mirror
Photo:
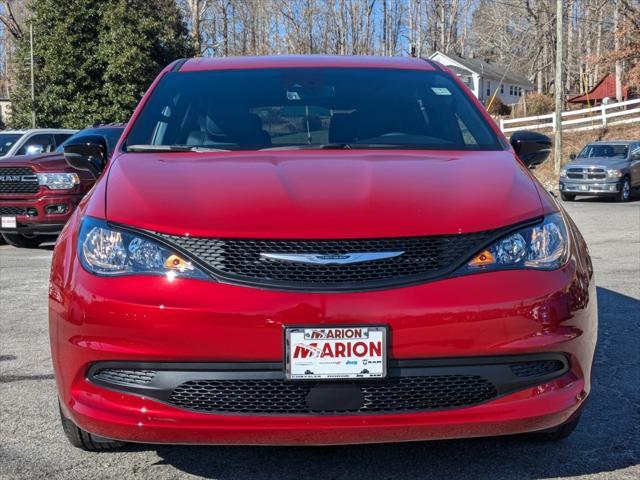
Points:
(34, 150)
(87, 153)
(532, 148)
(572, 156)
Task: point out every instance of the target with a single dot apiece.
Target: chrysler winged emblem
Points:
(330, 259)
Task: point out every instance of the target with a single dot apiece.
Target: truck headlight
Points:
(542, 247)
(58, 181)
(108, 250)
(563, 172)
(614, 173)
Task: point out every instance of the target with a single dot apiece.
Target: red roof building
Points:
(605, 88)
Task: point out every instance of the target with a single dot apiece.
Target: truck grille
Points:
(16, 180)
(578, 173)
(240, 260)
(271, 396)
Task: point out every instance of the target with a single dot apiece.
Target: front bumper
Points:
(36, 216)
(589, 188)
(154, 319)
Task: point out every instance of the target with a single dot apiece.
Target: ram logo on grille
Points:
(330, 259)
(18, 178)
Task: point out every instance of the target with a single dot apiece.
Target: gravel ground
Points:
(605, 445)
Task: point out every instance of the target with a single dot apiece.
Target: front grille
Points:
(271, 396)
(537, 368)
(424, 257)
(17, 186)
(586, 173)
(13, 211)
(134, 377)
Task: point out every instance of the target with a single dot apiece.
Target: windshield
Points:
(7, 140)
(111, 134)
(310, 108)
(600, 150)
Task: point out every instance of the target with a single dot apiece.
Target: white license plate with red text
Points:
(336, 353)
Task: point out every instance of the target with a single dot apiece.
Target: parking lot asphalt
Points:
(606, 444)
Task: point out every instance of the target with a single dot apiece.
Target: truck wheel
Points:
(22, 241)
(558, 433)
(85, 440)
(625, 191)
(567, 197)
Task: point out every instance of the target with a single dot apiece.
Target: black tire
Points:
(20, 241)
(567, 197)
(558, 433)
(85, 440)
(624, 195)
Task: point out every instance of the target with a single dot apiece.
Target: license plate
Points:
(9, 222)
(336, 353)
(584, 188)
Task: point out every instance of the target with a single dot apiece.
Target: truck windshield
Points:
(600, 150)
(7, 140)
(309, 108)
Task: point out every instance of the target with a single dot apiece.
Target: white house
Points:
(484, 78)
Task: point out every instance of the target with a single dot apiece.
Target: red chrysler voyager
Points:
(317, 250)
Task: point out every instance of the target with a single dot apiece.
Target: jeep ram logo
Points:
(18, 178)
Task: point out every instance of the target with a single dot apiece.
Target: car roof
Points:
(41, 130)
(613, 142)
(293, 61)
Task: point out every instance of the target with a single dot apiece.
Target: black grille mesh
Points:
(241, 260)
(537, 368)
(271, 396)
(136, 377)
(17, 187)
(13, 210)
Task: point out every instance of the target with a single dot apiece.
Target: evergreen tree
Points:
(94, 59)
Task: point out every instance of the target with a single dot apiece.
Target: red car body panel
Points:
(45, 163)
(316, 194)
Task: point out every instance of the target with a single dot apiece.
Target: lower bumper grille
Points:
(278, 396)
(13, 211)
(261, 389)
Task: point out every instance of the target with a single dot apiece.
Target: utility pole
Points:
(616, 47)
(557, 145)
(33, 87)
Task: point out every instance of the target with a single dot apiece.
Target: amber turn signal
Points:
(174, 262)
(482, 259)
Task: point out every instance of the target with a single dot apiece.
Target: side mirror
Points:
(34, 150)
(533, 148)
(87, 153)
(572, 156)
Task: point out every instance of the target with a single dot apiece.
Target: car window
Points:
(61, 137)
(111, 135)
(600, 150)
(635, 152)
(301, 107)
(44, 140)
(8, 140)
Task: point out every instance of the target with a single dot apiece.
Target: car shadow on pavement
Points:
(607, 439)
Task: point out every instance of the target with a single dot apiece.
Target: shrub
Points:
(539, 104)
(497, 107)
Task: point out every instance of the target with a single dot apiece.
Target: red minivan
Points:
(313, 250)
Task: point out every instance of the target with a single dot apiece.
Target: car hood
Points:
(43, 162)
(320, 194)
(604, 162)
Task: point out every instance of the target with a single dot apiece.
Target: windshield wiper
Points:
(319, 146)
(173, 148)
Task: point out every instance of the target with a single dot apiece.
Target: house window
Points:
(488, 89)
(510, 89)
(502, 88)
(519, 91)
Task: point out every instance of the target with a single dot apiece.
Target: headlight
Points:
(614, 173)
(543, 246)
(563, 172)
(107, 250)
(58, 181)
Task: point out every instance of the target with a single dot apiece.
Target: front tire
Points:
(21, 241)
(85, 440)
(624, 195)
(567, 197)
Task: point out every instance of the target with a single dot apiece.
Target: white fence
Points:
(584, 119)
